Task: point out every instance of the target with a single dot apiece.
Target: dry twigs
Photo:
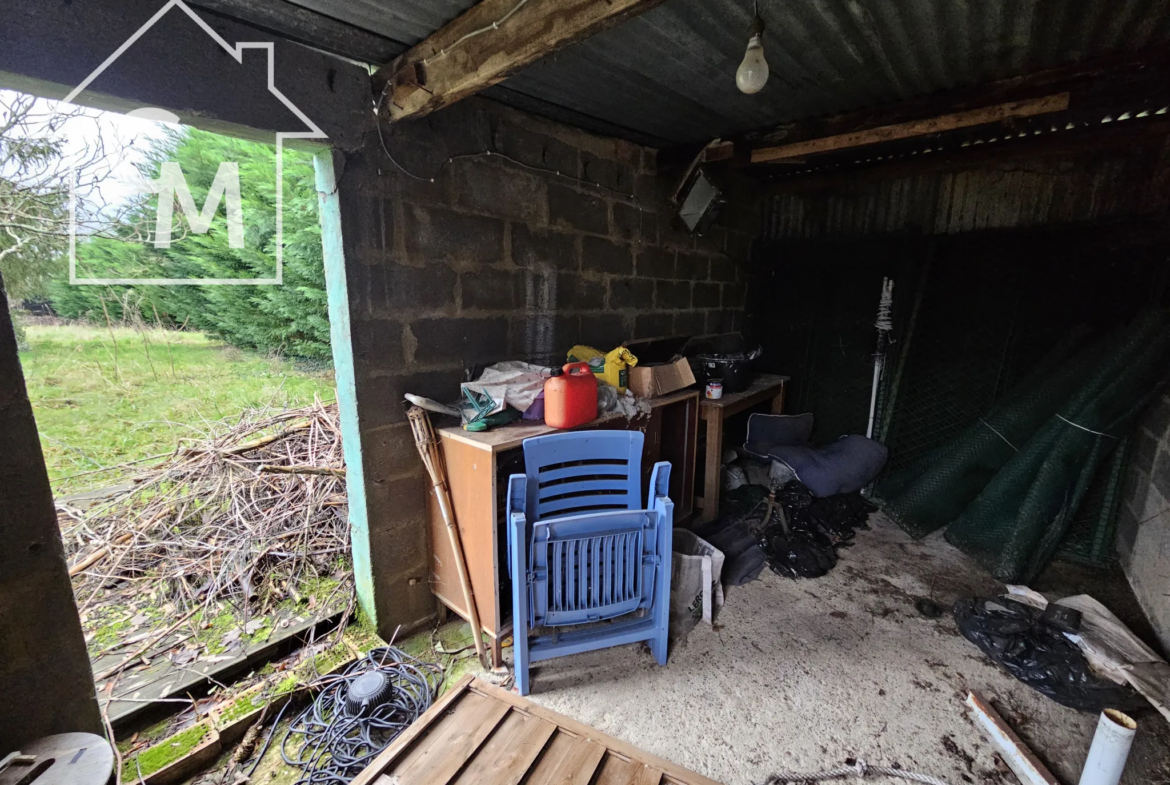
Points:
(245, 516)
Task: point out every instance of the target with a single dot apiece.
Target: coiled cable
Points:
(332, 741)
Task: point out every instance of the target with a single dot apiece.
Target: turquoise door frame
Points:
(343, 374)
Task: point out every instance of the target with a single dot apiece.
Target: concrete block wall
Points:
(1143, 538)
(500, 258)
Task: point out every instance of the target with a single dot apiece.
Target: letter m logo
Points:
(226, 186)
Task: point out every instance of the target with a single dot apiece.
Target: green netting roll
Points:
(937, 488)
(1015, 525)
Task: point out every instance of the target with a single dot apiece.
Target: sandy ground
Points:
(797, 676)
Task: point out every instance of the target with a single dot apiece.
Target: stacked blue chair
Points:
(583, 551)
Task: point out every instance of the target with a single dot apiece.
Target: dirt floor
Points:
(798, 676)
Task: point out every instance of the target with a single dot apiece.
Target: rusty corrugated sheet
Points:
(954, 202)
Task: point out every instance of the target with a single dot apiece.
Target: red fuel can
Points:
(570, 396)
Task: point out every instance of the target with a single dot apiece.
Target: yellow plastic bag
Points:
(612, 368)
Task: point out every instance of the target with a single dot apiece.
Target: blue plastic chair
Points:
(582, 549)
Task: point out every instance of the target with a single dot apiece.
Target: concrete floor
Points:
(800, 675)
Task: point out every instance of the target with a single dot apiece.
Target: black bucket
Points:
(735, 372)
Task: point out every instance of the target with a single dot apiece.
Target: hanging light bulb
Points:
(753, 71)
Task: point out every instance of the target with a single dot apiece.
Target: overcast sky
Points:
(125, 139)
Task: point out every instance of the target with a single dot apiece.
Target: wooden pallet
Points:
(479, 734)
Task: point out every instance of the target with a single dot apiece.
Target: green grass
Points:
(103, 400)
(164, 753)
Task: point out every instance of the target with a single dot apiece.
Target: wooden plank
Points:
(622, 748)
(507, 756)
(417, 730)
(162, 679)
(487, 43)
(1018, 756)
(452, 742)
(648, 775)
(887, 133)
(618, 771)
(1085, 81)
(1064, 145)
(471, 479)
(568, 760)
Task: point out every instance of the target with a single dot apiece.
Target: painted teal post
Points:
(343, 373)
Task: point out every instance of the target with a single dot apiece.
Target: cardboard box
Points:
(650, 381)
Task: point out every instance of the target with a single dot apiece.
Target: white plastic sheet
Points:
(512, 383)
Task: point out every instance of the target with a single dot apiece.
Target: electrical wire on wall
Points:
(356, 716)
(632, 199)
(378, 104)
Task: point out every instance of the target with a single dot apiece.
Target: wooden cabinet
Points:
(478, 467)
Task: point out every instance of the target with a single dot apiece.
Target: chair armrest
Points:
(516, 510)
(659, 483)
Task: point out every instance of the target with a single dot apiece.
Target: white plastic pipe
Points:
(884, 325)
(873, 391)
(1110, 749)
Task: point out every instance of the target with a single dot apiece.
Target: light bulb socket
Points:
(757, 26)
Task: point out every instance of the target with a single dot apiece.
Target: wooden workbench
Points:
(478, 467)
(764, 388)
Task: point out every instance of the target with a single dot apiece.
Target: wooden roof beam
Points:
(1124, 81)
(934, 125)
(486, 44)
(1009, 152)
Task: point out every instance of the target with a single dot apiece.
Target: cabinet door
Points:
(472, 482)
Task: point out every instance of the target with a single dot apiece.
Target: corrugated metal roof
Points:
(669, 74)
(404, 21)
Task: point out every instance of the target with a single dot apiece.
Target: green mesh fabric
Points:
(1016, 524)
(936, 489)
(1092, 532)
(977, 317)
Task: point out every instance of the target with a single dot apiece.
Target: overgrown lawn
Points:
(105, 397)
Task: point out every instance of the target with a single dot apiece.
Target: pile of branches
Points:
(245, 515)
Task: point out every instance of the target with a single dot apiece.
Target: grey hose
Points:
(859, 769)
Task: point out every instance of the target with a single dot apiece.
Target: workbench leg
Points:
(497, 653)
(713, 473)
(778, 401)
